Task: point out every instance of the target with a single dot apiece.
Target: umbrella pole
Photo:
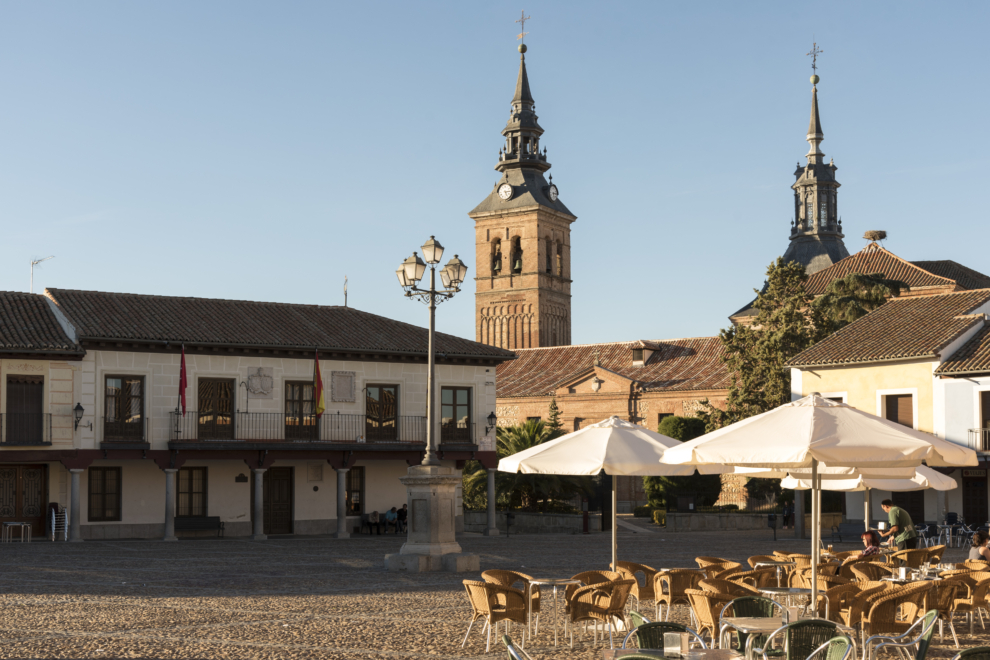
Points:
(866, 509)
(615, 526)
(816, 531)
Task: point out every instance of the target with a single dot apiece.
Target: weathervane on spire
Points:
(814, 53)
(522, 21)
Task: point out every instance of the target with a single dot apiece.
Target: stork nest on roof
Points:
(875, 235)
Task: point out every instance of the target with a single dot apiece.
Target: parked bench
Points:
(199, 523)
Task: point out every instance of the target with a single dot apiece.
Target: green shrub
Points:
(729, 507)
(643, 511)
(660, 517)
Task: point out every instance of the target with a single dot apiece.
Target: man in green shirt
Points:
(900, 524)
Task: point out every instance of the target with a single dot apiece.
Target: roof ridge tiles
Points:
(615, 343)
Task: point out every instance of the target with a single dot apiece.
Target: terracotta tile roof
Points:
(875, 259)
(973, 357)
(913, 327)
(678, 364)
(966, 278)
(204, 321)
(28, 325)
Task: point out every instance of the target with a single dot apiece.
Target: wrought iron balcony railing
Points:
(116, 430)
(25, 429)
(979, 440)
(460, 433)
(279, 427)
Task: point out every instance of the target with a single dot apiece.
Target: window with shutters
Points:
(192, 492)
(104, 494)
(985, 409)
(900, 408)
(123, 409)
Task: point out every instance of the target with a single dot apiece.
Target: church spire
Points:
(815, 135)
(522, 132)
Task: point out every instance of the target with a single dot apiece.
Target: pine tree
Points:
(554, 426)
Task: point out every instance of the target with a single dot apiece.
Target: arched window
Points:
(809, 215)
(823, 212)
(517, 255)
(497, 256)
(549, 265)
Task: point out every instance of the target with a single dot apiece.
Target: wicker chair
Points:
(977, 565)
(802, 638)
(511, 579)
(705, 561)
(881, 616)
(869, 592)
(746, 606)
(935, 554)
(643, 590)
(727, 587)
(800, 561)
(837, 648)
(946, 593)
(975, 600)
(604, 602)
(726, 569)
(588, 578)
(924, 627)
(975, 653)
(910, 558)
(493, 603)
(871, 571)
(761, 577)
(707, 605)
(845, 554)
(650, 635)
(516, 653)
(669, 588)
(786, 556)
(755, 559)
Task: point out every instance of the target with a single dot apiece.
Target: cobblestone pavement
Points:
(303, 597)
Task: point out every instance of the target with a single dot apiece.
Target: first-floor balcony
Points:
(979, 440)
(279, 427)
(25, 429)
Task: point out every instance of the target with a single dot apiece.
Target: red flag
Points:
(318, 399)
(182, 381)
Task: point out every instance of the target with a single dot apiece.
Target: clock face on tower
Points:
(553, 193)
(505, 191)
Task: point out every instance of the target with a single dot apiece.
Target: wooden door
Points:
(913, 502)
(900, 409)
(974, 485)
(23, 495)
(25, 406)
(216, 409)
(278, 487)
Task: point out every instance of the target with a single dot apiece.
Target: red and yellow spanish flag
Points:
(318, 387)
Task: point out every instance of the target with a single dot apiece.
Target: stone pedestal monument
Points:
(431, 545)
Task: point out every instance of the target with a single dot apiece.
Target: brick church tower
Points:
(522, 237)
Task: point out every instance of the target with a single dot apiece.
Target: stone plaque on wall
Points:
(342, 385)
(260, 383)
(314, 472)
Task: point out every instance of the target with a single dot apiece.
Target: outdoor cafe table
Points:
(765, 625)
(909, 580)
(701, 654)
(788, 592)
(550, 582)
(779, 565)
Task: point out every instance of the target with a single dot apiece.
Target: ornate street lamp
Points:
(452, 276)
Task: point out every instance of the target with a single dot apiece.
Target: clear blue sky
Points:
(264, 150)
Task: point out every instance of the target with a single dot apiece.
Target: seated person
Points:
(400, 517)
(980, 551)
(375, 521)
(391, 519)
(871, 543)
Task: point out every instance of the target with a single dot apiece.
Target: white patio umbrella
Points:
(801, 435)
(618, 447)
(923, 479)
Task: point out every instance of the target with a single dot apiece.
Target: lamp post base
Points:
(431, 544)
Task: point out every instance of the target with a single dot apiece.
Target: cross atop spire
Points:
(522, 21)
(814, 53)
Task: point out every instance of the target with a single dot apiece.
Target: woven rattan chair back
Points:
(870, 571)
(975, 653)
(727, 588)
(800, 561)
(977, 565)
(669, 587)
(761, 577)
(881, 609)
(803, 637)
(516, 580)
(706, 561)
(643, 589)
(753, 606)
(837, 648)
(727, 568)
(706, 606)
(910, 558)
(590, 577)
(935, 554)
(650, 635)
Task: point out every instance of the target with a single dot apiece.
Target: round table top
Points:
(775, 563)
(551, 582)
(793, 591)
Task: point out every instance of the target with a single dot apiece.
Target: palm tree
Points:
(526, 491)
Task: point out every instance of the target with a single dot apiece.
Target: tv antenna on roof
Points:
(35, 262)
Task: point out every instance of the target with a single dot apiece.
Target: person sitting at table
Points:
(980, 551)
(871, 544)
(400, 517)
(375, 522)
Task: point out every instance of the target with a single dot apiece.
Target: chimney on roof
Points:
(875, 235)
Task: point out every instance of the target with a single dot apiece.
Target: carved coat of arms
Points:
(260, 382)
